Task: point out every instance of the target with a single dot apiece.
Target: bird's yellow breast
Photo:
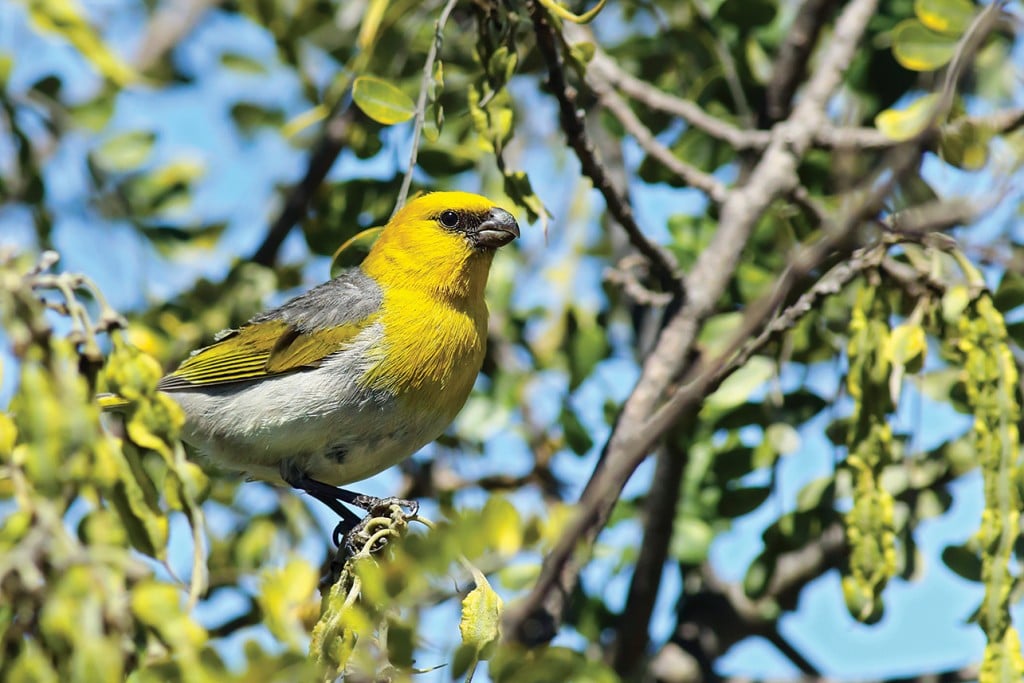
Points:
(431, 352)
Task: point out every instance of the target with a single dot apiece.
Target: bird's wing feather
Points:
(300, 334)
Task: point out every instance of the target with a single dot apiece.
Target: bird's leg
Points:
(331, 496)
(334, 497)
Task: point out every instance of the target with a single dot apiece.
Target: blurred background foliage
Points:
(193, 161)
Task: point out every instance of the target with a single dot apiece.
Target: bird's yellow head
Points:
(442, 242)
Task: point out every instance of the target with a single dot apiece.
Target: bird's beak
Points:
(497, 230)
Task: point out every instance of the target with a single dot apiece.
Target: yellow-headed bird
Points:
(360, 372)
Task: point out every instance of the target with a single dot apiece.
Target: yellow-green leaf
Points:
(907, 343)
(903, 124)
(301, 122)
(502, 525)
(126, 151)
(8, 434)
(372, 17)
(738, 387)
(918, 48)
(583, 52)
(965, 146)
(945, 16)
(6, 66)
(66, 19)
(480, 625)
(954, 302)
(381, 101)
(286, 591)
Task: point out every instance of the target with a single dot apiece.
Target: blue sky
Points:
(925, 624)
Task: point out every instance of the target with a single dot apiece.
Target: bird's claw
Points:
(382, 506)
(351, 539)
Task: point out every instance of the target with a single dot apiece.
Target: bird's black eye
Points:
(449, 219)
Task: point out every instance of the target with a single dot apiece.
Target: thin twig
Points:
(332, 141)
(693, 176)
(576, 133)
(602, 68)
(421, 100)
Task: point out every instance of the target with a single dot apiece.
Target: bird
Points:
(358, 373)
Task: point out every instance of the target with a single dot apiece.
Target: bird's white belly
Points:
(321, 419)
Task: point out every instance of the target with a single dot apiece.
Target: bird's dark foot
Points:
(385, 518)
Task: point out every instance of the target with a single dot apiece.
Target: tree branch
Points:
(538, 616)
(602, 69)
(171, 21)
(332, 141)
(917, 224)
(575, 131)
(693, 176)
(794, 56)
(631, 633)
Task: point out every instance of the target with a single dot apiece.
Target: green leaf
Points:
(250, 116)
(963, 561)
(242, 63)
(1010, 293)
(903, 124)
(588, 345)
(48, 86)
(758, 61)
(742, 501)
(381, 101)
(164, 189)
(965, 145)
(747, 14)
(438, 160)
(691, 539)
(94, 114)
(502, 526)
(576, 435)
(918, 48)
(517, 187)
(811, 495)
(718, 331)
(783, 438)
(284, 591)
(401, 642)
(945, 16)
(126, 151)
(170, 239)
(758, 574)
(738, 386)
